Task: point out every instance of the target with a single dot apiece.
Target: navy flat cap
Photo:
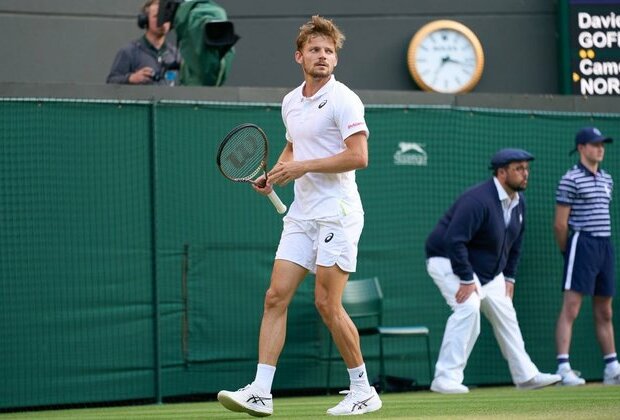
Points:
(505, 156)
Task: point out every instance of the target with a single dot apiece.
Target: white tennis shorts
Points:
(323, 242)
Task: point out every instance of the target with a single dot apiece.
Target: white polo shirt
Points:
(317, 127)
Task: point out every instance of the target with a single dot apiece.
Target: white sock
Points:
(611, 362)
(563, 363)
(564, 366)
(264, 377)
(359, 379)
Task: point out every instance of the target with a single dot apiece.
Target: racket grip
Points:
(277, 203)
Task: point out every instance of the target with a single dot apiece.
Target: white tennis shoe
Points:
(447, 386)
(612, 376)
(541, 380)
(247, 400)
(570, 377)
(357, 402)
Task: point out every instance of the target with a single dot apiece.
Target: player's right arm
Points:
(285, 156)
(560, 225)
(354, 156)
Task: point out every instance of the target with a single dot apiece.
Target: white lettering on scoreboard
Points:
(598, 32)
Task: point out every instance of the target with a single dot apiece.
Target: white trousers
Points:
(463, 326)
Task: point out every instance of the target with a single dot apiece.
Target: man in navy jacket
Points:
(472, 256)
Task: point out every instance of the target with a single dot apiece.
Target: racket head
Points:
(242, 155)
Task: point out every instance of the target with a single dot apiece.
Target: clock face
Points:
(445, 56)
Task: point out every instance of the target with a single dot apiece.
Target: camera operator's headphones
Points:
(143, 21)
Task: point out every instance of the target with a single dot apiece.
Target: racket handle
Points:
(277, 203)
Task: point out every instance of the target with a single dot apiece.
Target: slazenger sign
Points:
(410, 153)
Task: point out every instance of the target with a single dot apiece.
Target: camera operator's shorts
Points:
(323, 242)
(589, 265)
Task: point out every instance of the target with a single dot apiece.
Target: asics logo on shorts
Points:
(322, 104)
(329, 237)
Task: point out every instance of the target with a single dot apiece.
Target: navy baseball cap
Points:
(505, 156)
(590, 135)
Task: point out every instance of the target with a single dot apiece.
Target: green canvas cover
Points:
(202, 64)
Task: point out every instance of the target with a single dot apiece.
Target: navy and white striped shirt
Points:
(589, 196)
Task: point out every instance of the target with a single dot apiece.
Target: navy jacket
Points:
(473, 235)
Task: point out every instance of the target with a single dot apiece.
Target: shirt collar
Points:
(502, 194)
(326, 88)
(586, 170)
(147, 44)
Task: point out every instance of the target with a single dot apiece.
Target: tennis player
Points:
(326, 137)
(473, 254)
(583, 232)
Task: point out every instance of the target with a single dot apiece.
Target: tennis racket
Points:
(242, 157)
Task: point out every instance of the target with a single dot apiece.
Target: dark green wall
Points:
(131, 269)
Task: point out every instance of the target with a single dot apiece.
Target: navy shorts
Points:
(589, 266)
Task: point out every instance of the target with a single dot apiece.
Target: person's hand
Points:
(464, 292)
(510, 289)
(143, 75)
(284, 172)
(261, 186)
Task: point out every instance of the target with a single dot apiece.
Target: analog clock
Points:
(445, 56)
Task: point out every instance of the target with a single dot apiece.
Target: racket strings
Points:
(243, 155)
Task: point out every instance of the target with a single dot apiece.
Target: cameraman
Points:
(150, 59)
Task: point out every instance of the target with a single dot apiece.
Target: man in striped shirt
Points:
(582, 230)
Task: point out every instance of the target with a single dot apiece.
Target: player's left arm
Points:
(354, 156)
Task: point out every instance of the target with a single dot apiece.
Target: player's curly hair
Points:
(319, 26)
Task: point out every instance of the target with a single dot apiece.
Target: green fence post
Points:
(154, 277)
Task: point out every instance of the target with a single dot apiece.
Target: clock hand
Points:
(462, 63)
(444, 60)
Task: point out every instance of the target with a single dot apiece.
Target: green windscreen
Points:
(131, 269)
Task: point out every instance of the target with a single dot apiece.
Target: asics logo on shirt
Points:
(322, 104)
(329, 237)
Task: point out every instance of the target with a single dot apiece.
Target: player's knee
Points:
(326, 309)
(274, 299)
(322, 306)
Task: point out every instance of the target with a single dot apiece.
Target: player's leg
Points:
(362, 398)
(285, 279)
(289, 269)
(255, 399)
(330, 283)
(337, 242)
(498, 308)
(461, 332)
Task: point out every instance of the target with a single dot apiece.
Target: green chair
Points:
(363, 301)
